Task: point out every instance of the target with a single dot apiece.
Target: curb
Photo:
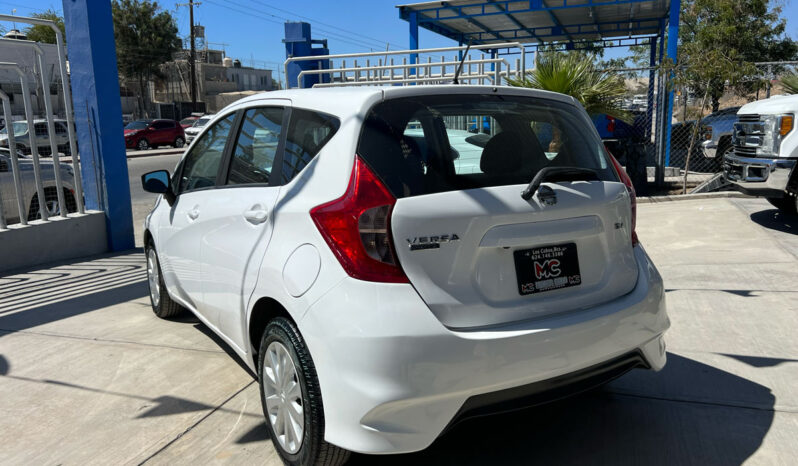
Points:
(691, 197)
(138, 154)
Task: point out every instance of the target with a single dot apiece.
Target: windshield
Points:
(137, 125)
(201, 122)
(427, 144)
(20, 128)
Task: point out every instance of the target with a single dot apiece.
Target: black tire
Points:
(163, 307)
(143, 144)
(786, 204)
(313, 449)
(50, 196)
(723, 151)
(179, 142)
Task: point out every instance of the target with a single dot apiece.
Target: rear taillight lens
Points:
(357, 228)
(632, 196)
(610, 123)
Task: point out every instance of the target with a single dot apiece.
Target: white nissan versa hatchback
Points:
(380, 293)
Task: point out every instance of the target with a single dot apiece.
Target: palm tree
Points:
(790, 83)
(576, 75)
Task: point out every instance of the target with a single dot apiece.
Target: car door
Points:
(238, 219)
(181, 233)
(156, 132)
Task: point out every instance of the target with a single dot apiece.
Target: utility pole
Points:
(193, 58)
(192, 54)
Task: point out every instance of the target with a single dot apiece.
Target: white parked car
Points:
(22, 139)
(194, 130)
(32, 208)
(380, 293)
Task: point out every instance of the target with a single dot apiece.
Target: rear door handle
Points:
(256, 215)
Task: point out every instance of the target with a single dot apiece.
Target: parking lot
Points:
(88, 375)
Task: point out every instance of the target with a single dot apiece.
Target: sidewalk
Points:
(89, 375)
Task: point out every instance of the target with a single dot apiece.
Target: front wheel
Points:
(162, 304)
(143, 144)
(291, 398)
(786, 204)
(723, 151)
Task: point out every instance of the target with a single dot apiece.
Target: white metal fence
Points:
(32, 188)
(421, 66)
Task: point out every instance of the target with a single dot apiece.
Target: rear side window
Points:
(427, 144)
(308, 133)
(253, 156)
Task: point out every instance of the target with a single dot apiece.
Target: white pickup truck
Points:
(766, 151)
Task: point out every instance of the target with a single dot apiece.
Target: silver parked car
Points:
(30, 198)
(42, 140)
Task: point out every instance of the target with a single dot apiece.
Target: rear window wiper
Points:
(555, 174)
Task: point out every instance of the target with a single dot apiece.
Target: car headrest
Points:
(501, 154)
(508, 153)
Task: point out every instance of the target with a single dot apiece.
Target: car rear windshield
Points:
(427, 144)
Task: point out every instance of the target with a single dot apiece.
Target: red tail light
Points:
(610, 123)
(357, 228)
(629, 187)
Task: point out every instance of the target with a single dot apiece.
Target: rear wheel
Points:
(162, 305)
(51, 203)
(179, 142)
(786, 204)
(291, 398)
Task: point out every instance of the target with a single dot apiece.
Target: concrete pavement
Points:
(89, 375)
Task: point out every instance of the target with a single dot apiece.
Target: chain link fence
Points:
(694, 148)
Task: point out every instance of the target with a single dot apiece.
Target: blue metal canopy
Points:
(540, 22)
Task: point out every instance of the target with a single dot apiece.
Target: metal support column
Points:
(673, 41)
(413, 21)
(652, 75)
(98, 116)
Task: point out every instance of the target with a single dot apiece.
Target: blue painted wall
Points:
(98, 116)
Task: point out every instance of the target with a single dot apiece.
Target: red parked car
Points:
(143, 134)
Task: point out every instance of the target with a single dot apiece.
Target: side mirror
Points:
(158, 182)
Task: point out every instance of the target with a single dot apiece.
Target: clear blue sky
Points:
(253, 29)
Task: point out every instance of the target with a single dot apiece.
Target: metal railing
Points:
(45, 201)
(414, 71)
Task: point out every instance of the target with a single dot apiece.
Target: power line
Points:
(249, 13)
(381, 42)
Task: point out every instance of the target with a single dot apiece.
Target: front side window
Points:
(256, 147)
(201, 165)
(41, 129)
(60, 128)
(307, 134)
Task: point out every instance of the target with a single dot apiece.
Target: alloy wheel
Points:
(153, 277)
(283, 396)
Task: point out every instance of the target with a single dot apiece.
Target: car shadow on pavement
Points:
(689, 413)
(776, 220)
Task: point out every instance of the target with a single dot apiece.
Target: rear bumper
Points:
(393, 378)
(758, 177)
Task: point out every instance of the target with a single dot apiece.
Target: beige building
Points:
(217, 75)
